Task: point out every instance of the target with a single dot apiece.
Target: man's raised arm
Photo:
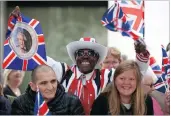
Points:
(142, 55)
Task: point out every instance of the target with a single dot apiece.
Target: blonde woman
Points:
(112, 60)
(124, 96)
(12, 81)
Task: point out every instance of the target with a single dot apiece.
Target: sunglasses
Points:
(84, 52)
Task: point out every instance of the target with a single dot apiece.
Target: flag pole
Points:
(2, 34)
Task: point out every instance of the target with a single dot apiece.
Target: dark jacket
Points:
(7, 91)
(5, 106)
(101, 106)
(62, 104)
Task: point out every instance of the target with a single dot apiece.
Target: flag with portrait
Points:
(24, 46)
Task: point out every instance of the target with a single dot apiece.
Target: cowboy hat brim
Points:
(76, 45)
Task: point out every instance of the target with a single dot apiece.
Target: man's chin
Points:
(86, 71)
(49, 98)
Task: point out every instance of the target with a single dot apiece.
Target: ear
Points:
(33, 86)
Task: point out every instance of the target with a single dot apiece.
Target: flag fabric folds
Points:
(163, 74)
(126, 17)
(134, 10)
(24, 46)
(40, 107)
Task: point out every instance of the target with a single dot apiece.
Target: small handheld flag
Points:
(40, 107)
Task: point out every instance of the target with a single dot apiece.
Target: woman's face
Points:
(20, 40)
(110, 62)
(126, 83)
(148, 84)
(15, 78)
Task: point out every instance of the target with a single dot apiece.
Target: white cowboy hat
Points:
(87, 43)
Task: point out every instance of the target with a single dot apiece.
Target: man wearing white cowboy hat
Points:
(83, 79)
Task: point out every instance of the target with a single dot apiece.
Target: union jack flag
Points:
(40, 107)
(134, 10)
(160, 84)
(125, 18)
(165, 66)
(36, 55)
(115, 20)
(163, 74)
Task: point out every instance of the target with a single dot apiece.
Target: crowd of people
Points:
(120, 87)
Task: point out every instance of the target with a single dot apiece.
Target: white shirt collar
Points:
(128, 106)
(88, 76)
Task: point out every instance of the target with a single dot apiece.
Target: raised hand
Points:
(15, 12)
(140, 46)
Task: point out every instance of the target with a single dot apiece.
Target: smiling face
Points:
(126, 83)
(86, 60)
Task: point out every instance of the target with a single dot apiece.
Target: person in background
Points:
(59, 102)
(125, 95)
(124, 57)
(167, 103)
(147, 82)
(5, 105)
(112, 60)
(82, 79)
(12, 81)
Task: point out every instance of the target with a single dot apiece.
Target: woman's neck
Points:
(13, 87)
(15, 90)
(125, 99)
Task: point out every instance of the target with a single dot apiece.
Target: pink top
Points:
(156, 107)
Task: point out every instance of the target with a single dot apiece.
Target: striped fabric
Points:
(89, 90)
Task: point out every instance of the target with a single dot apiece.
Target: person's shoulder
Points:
(149, 105)
(4, 100)
(23, 98)
(148, 98)
(103, 96)
(70, 96)
(5, 106)
(6, 89)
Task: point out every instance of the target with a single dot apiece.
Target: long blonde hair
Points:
(6, 76)
(114, 52)
(138, 100)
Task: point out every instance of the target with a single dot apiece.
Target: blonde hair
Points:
(6, 76)
(114, 52)
(138, 97)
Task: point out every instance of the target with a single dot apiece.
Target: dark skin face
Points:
(86, 60)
